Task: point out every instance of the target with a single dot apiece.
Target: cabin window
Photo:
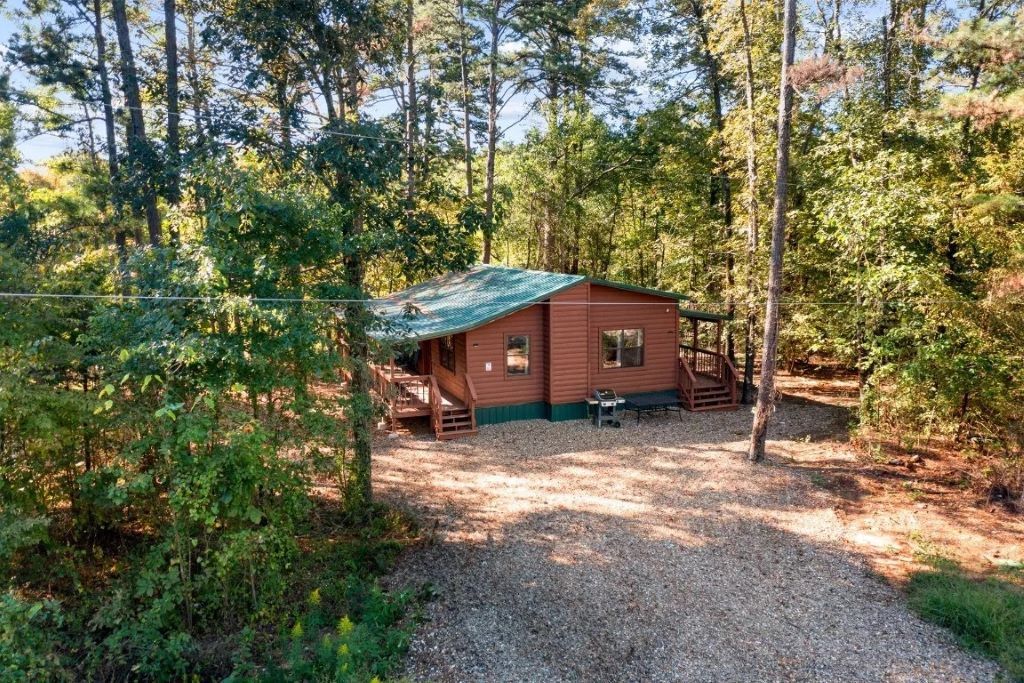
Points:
(622, 348)
(517, 355)
(446, 354)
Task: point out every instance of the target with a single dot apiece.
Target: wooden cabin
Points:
(493, 344)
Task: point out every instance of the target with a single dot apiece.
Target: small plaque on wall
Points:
(487, 367)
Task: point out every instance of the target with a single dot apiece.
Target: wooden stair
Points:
(707, 380)
(456, 421)
(713, 397)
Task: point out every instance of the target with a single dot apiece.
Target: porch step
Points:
(714, 397)
(456, 422)
(455, 434)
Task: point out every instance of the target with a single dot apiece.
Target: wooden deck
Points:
(407, 395)
(707, 380)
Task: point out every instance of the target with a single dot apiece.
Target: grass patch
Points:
(987, 615)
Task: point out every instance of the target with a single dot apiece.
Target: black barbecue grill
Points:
(607, 408)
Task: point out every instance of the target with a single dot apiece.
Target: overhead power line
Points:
(171, 298)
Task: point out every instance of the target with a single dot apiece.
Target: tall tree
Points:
(769, 354)
(113, 171)
(173, 112)
(467, 132)
(139, 148)
(750, 327)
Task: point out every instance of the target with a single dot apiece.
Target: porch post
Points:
(718, 337)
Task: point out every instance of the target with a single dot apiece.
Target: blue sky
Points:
(37, 148)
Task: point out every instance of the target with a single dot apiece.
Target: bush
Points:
(28, 640)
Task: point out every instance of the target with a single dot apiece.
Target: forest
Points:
(185, 480)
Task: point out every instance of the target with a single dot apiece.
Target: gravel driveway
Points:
(562, 552)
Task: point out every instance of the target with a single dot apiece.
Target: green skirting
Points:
(558, 412)
(538, 410)
(522, 411)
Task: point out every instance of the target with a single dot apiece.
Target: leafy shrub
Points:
(28, 640)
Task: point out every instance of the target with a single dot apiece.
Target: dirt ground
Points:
(563, 552)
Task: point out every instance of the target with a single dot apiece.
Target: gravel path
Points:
(566, 553)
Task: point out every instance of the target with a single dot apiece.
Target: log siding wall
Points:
(487, 345)
(565, 349)
(659, 319)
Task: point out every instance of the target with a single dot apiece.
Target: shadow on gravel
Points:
(562, 552)
(578, 596)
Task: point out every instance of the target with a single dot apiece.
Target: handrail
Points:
(705, 361)
(730, 379)
(435, 405)
(471, 399)
(398, 391)
(687, 382)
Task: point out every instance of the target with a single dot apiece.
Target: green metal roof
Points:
(460, 301)
(637, 288)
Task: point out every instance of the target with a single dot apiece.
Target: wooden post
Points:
(693, 322)
(718, 336)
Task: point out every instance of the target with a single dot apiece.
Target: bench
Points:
(654, 401)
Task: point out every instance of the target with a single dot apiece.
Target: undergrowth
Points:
(334, 622)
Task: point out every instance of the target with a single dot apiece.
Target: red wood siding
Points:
(449, 381)
(487, 345)
(568, 324)
(659, 318)
(565, 348)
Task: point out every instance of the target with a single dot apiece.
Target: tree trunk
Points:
(359, 496)
(193, 76)
(137, 140)
(766, 390)
(120, 236)
(547, 242)
(411, 117)
(173, 115)
(724, 189)
(466, 132)
(492, 130)
(752, 212)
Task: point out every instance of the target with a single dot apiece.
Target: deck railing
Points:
(435, 405)
(400, 391)
(470, 399)
(695, 361)
(687, 382)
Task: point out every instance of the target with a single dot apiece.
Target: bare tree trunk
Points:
(766, 390)
(411, 117)
(724, 191)
(890, 26)
(120, 236)
(137, 140)
(193, 76)
(359, 496)
(466, 132)
(173, 115)
(752, 212)
(492, 130)
(547, 241)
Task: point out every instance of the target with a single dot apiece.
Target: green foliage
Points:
(986, 615)
(362, 650)
(155, 456)
(29, 638)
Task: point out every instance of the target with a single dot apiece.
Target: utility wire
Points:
(298, 300)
